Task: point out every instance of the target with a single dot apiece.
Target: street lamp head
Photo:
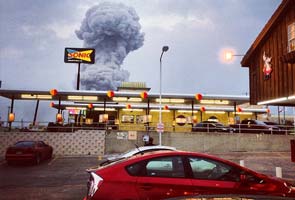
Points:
(165, 48)
(228, 55)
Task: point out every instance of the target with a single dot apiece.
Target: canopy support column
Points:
(36, 110)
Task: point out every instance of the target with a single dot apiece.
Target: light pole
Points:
(8, 116)
(229, 55)
(165, 48)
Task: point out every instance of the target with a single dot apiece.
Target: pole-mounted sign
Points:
(79, 55)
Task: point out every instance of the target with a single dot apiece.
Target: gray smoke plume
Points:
(113, 30)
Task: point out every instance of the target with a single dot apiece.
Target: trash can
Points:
(292, 150)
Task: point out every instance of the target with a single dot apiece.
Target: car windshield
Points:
(270, 123)
(219, 125)
(107, 162)
(24, 144)
(260, 123)
(110, 163)
(129, 151)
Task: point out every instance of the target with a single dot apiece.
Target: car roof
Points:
(29, 141)
(146, 148)
(25, 141)
(208, 122)
(156, 147)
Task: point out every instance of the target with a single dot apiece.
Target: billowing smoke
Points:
(113, 29)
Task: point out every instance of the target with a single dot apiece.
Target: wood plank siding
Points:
(273, 40)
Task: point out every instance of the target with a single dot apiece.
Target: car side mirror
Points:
(246, 180)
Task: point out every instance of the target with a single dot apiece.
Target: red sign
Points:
(160, 127)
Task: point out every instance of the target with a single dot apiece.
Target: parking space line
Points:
(52, 160)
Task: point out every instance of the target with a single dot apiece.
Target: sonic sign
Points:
(79, 55)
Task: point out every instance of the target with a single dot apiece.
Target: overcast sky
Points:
(34, 33)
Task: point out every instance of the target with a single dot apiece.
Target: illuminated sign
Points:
(79, 55)
(180, 120)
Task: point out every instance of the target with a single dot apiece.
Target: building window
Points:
(291, 37)
(127, 119)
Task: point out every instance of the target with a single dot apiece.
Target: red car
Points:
(33, 151)
(169, 174)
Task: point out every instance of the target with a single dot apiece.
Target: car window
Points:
(250, 178)
(207, 169)
(25, 144)
(136, 169)
(200, 125)
(158, 167)
(212, 125)
(260, 123)
(165, 167)
(219, 125)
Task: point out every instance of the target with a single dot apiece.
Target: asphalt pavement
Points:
(60, 178)
(264, 162)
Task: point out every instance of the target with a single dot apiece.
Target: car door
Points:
(254, 127)
(163, 178)
(40, 150)
(47, 149)
(200, 127)
(43, 150)
(213, 177)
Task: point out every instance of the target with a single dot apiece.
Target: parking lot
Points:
(59, 178)
(264, 162)
(65, 177)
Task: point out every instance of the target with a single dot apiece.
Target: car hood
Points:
(290, 187)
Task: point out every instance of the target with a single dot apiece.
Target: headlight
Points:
(93, 183)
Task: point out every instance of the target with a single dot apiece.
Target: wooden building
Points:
(271, 59)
